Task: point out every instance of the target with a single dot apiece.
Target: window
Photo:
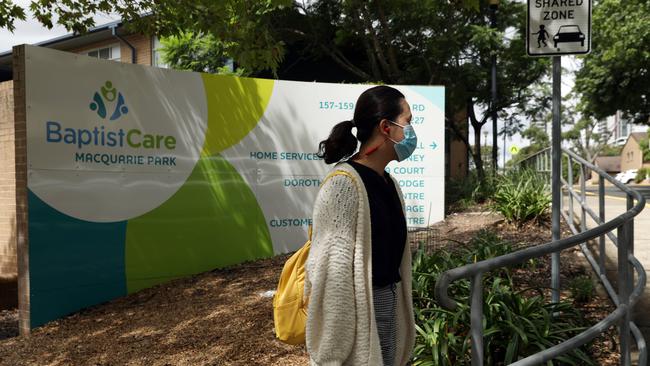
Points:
(106, 53)
(156, 57)
(623, 128)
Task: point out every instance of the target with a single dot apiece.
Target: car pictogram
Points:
(569, 33)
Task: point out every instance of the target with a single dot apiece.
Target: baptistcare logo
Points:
(109, 94)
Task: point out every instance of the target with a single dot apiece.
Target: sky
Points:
(31, 31)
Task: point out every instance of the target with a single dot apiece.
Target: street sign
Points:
(514, 150)
(558, 27)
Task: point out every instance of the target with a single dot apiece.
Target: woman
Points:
(359, 267)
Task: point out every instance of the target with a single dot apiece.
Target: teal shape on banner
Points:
(436, 95)
(73, 263)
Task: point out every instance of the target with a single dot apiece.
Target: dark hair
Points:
(373, 105)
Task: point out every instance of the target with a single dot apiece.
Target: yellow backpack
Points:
(289, 307)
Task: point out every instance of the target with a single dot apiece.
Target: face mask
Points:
(405, 148)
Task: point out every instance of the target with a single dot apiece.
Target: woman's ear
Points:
(383, 126)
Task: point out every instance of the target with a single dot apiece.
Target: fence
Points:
(628, 293)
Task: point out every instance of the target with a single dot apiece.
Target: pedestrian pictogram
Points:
(558, 27)
(542, 36)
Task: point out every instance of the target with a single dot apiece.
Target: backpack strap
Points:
(335, 173)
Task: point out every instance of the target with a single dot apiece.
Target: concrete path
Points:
(615, 206)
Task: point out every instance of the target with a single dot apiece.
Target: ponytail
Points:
(339, 145)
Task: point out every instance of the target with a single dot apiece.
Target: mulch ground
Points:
(225, 317)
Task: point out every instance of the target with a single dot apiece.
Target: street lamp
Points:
(494, 5)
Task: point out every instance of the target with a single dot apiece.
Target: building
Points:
(109, 41)
(632, 155)
(610, 164)
(619, 129)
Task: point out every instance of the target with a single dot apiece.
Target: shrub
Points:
(582, 289)
(609, 150)
(458, 192)
(516, 323)
(464, 193)
(521, 196)
(575, 167)
(641, 175)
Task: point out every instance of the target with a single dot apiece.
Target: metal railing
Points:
(624, 300)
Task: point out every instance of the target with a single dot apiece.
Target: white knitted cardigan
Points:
(341, 327)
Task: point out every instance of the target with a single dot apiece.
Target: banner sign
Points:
(139, 175)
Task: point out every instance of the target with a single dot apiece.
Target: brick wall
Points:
(142, 46)
(8, 264)
(20, 142)
(631, 155)
(8, 256)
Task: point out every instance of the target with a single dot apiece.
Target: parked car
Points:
(569, 33)
(626, 176)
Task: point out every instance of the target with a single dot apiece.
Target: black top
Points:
(387, 224)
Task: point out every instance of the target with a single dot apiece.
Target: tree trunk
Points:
(387, 37)
(476, 125)
(476, 154)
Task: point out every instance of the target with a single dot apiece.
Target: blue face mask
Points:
(405, 148)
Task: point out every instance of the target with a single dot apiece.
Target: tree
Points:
(538, 141)
(587, 143)
(196, 52)
(397, 42)
(245, 26)
(609, 150)
(615, 75)
(486, 152)
(418, 42)
(585, 138)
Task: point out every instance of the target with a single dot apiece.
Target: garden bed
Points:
(225, 317)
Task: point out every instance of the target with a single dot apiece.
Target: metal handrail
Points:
(624, 301)
(528, 157)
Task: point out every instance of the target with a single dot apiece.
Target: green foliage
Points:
(609, 150)
(516, 323)
(585, 139)
(575, 172)
(410, 42)
(246, 27)
(582, 289)
(521, 196)
(641, 175)
(201, 53)
(458, 192)
(645, 148)
(9, 13)
(615, 76)
(538, 141)
(486, 155)
(487, 244)
(464, 193)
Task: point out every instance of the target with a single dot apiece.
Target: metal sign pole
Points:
(556, 28)
(556, 174)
